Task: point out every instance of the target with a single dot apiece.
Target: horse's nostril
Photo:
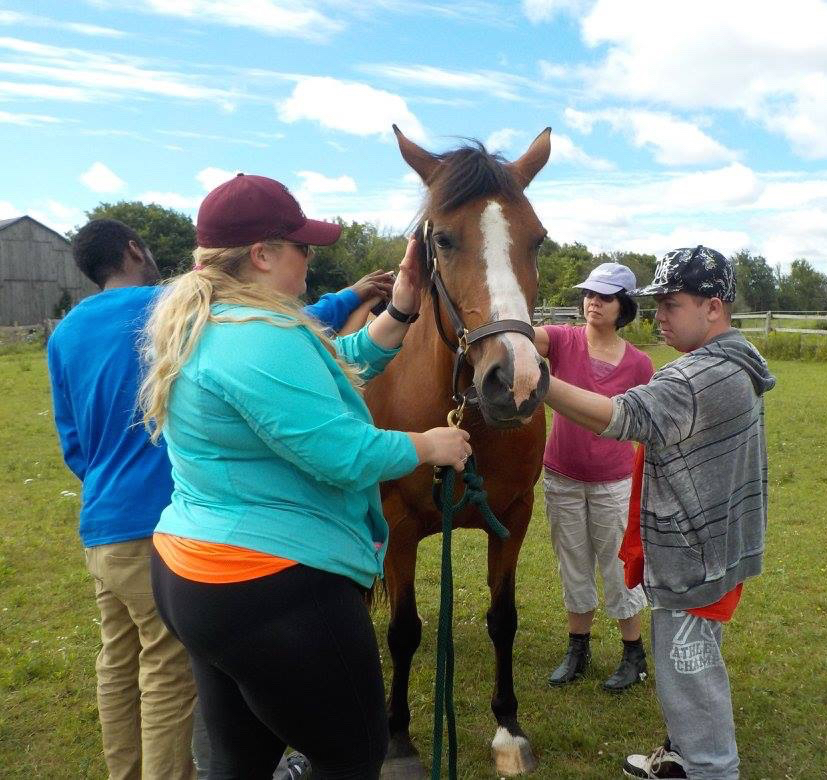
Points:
(496, 385)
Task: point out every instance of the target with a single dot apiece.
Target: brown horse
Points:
(485, 238)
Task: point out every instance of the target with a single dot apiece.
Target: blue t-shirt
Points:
(94, 369)
(333, 309)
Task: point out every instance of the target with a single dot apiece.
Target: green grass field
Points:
(775, 647)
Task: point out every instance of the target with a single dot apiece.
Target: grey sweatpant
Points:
(693, 690)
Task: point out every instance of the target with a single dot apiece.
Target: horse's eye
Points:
(442, 241)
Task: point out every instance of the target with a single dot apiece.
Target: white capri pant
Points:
(587, 521)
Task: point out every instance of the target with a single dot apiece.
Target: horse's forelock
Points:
(467, 173)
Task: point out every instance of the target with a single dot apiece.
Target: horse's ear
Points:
(531, 163)
(424, 163)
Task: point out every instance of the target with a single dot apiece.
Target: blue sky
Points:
(673, 124)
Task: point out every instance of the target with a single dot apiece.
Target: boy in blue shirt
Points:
(145, 689)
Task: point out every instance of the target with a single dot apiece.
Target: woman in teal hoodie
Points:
(275, 527)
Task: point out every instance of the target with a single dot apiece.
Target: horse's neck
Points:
(425, 356)
(416, 386)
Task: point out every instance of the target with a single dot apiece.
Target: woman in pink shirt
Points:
(587, 479)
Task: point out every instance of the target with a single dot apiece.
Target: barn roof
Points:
(4, 223)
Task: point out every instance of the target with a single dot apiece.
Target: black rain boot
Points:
(632, 668)
(576, 661)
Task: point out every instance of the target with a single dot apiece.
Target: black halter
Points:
(464, 337)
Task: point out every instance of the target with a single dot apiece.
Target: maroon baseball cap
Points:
(247, 209)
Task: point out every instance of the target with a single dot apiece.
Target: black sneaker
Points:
(575, 662)
(663, 763)
(293, 767)
(632, 669)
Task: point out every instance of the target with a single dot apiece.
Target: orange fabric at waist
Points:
(216, 563)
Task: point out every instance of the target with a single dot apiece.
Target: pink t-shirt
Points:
(571, 450)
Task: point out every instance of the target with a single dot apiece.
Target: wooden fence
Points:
(767, 318)
(545, 313)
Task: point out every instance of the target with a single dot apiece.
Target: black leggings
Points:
(290, 658)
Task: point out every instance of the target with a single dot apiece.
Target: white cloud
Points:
(545, 10)
(99, 178)
(659, 243)
(8, 210)
(210, 178)
(350, 107)
(553, 71)
(52, 213)
(738, 55)
(390, 209)
(798, 234)
(171, 200)
(582, 121)
(30, 20)
(792, 193)
(227, 139)
(30, 90)
(318, 183)
(673, 141)
(501, 140)
(96, 76)
(731, 186)
(781, 215)
(564, 150)
(56, 215)
(271, 17)
(490, 82)
(8, 118)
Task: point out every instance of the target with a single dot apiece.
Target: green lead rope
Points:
(444, 695)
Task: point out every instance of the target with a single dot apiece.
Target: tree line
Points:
(170, 235)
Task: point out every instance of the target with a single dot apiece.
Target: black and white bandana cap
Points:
(699, 270)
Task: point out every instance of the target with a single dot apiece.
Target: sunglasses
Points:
(592, 294)
(306, 249)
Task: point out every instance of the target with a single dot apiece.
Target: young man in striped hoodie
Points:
(703, 501)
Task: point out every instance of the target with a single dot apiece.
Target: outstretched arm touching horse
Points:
(591, 410)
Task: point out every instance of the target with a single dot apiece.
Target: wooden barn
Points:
(37, 273)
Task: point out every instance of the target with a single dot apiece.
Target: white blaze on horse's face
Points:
(508, 301)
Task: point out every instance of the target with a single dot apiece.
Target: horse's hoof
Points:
(512, 754)
(403, 768)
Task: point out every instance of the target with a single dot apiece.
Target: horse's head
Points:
(485, 238)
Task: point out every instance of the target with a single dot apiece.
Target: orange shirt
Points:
(216, 563)
(631, 553)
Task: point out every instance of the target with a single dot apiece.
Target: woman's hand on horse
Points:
(407, 288)
(442, 447)
(376, 283)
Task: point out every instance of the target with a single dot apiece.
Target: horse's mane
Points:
(467, 173)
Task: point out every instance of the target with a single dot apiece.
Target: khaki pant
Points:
(587, 521)
(145, 688)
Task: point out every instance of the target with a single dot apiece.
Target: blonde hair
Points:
(180, 314)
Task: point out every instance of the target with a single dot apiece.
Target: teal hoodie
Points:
(272, 448)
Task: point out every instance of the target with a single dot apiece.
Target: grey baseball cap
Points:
(699, 270)
(609, 278)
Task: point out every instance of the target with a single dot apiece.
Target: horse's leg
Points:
(510, 747)
(404, 636)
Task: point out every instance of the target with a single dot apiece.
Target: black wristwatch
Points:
(406, 319)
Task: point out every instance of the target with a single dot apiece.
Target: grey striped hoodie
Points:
(704, 499)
